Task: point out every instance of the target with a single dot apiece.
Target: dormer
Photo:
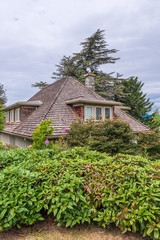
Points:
(19, 111)
(87, 108)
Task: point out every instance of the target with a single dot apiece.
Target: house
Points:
(64, 101)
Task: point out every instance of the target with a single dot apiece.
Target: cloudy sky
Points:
(36, 34)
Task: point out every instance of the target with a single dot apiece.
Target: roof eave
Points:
(30, 137)
(92, 101)
(18, 104)
(125, 108)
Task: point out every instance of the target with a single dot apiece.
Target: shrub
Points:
(40, 135)
(80, 185)
(2, 117)
(110, 136)
(6, 146)
(149, 144)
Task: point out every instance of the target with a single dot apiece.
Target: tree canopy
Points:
(40, 84)
(93, 55)
(135, 99)
(3, 98)
(155, 123)
(2, 118)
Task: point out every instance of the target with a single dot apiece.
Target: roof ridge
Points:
(132, 118)
(87, 88)
(56, 96)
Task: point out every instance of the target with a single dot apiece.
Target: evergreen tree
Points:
(40, 84)
(68, 67)
(2, 118)
(135, 99)
(93, 55)
(155, 123)
(3, 98)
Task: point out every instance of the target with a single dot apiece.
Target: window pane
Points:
(107, 112)
(98, 113)
(17, 113)
(7, 116)
(88, 112)
(12, 115)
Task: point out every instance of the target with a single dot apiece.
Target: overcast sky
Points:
(36, 34)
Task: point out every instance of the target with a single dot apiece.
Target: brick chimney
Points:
(89, 81)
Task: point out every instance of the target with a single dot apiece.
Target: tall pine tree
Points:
(93, 55)
(2, 118)
(3, 98)
(135, 99)
(155, 123)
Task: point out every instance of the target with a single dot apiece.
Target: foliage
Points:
(3, 98)
(40, 84)
(61, 142)
(41, 133)
(114, 136)
(149, 144)
(110, 136)
(94, 52)
(93, 55)
(2, 118)
(155, 123)
(6, 146)
(77, 186)
(135, 99)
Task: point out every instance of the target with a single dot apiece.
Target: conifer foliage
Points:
(3, 98)
(40, 84)
(135, 99)
(2, 118)
(93, 55)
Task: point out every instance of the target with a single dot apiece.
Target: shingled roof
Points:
(134, 124)
(54, 98)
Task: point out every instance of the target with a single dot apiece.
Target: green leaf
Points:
(3, 213)
(58, 215)
(156, 233)
(6, 225)
(55, 211)
(12, 213)
(68, 223)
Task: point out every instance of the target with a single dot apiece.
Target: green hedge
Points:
(110, 136)
(79, 186)
(114, 136)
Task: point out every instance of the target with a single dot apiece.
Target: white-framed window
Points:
(12, 115)
(7, 116)
(17, 114)
(89, 112)
(107, 113)
(98, 113)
